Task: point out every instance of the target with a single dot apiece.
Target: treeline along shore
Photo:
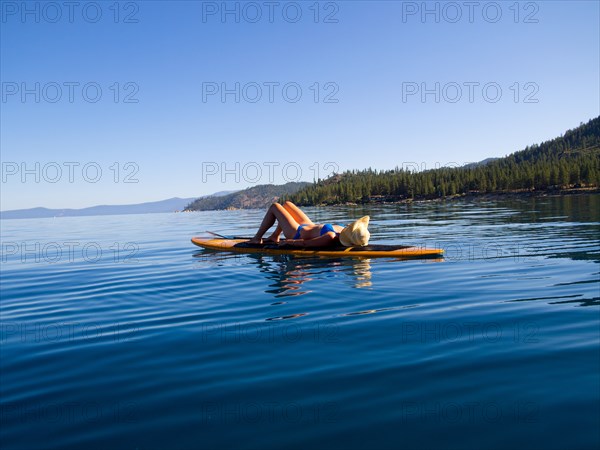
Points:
(567, 164)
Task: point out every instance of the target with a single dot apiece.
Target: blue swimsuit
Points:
(327, 227)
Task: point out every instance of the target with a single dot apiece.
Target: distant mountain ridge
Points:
(259, 196)
(162, 206)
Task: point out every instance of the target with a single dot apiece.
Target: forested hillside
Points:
(259, 196)
(572, 160)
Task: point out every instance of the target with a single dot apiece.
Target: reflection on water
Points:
(289, 316)
(369, 311)
(287, 274)
(362, 272)
(577, 299)
(291, 276)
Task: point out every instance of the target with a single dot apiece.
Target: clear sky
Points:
(320, 86)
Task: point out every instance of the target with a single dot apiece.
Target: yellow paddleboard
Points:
(369, 251)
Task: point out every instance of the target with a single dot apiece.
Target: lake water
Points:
(116, 332)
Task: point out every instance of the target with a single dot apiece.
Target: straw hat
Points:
(356, 234)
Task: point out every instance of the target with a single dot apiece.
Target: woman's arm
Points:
(321, 241)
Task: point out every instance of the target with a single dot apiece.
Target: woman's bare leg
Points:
(284, 219)
(297, 213)
(275, 235)
(298, 216)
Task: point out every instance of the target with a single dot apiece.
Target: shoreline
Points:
(469, 196)
(476, 196)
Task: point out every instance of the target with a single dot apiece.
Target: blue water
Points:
(116, 332)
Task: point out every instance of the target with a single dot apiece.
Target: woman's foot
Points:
(271, 240)
(255, 240)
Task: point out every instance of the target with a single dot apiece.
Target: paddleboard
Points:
(369, 251)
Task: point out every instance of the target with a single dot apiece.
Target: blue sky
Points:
(531, 68)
